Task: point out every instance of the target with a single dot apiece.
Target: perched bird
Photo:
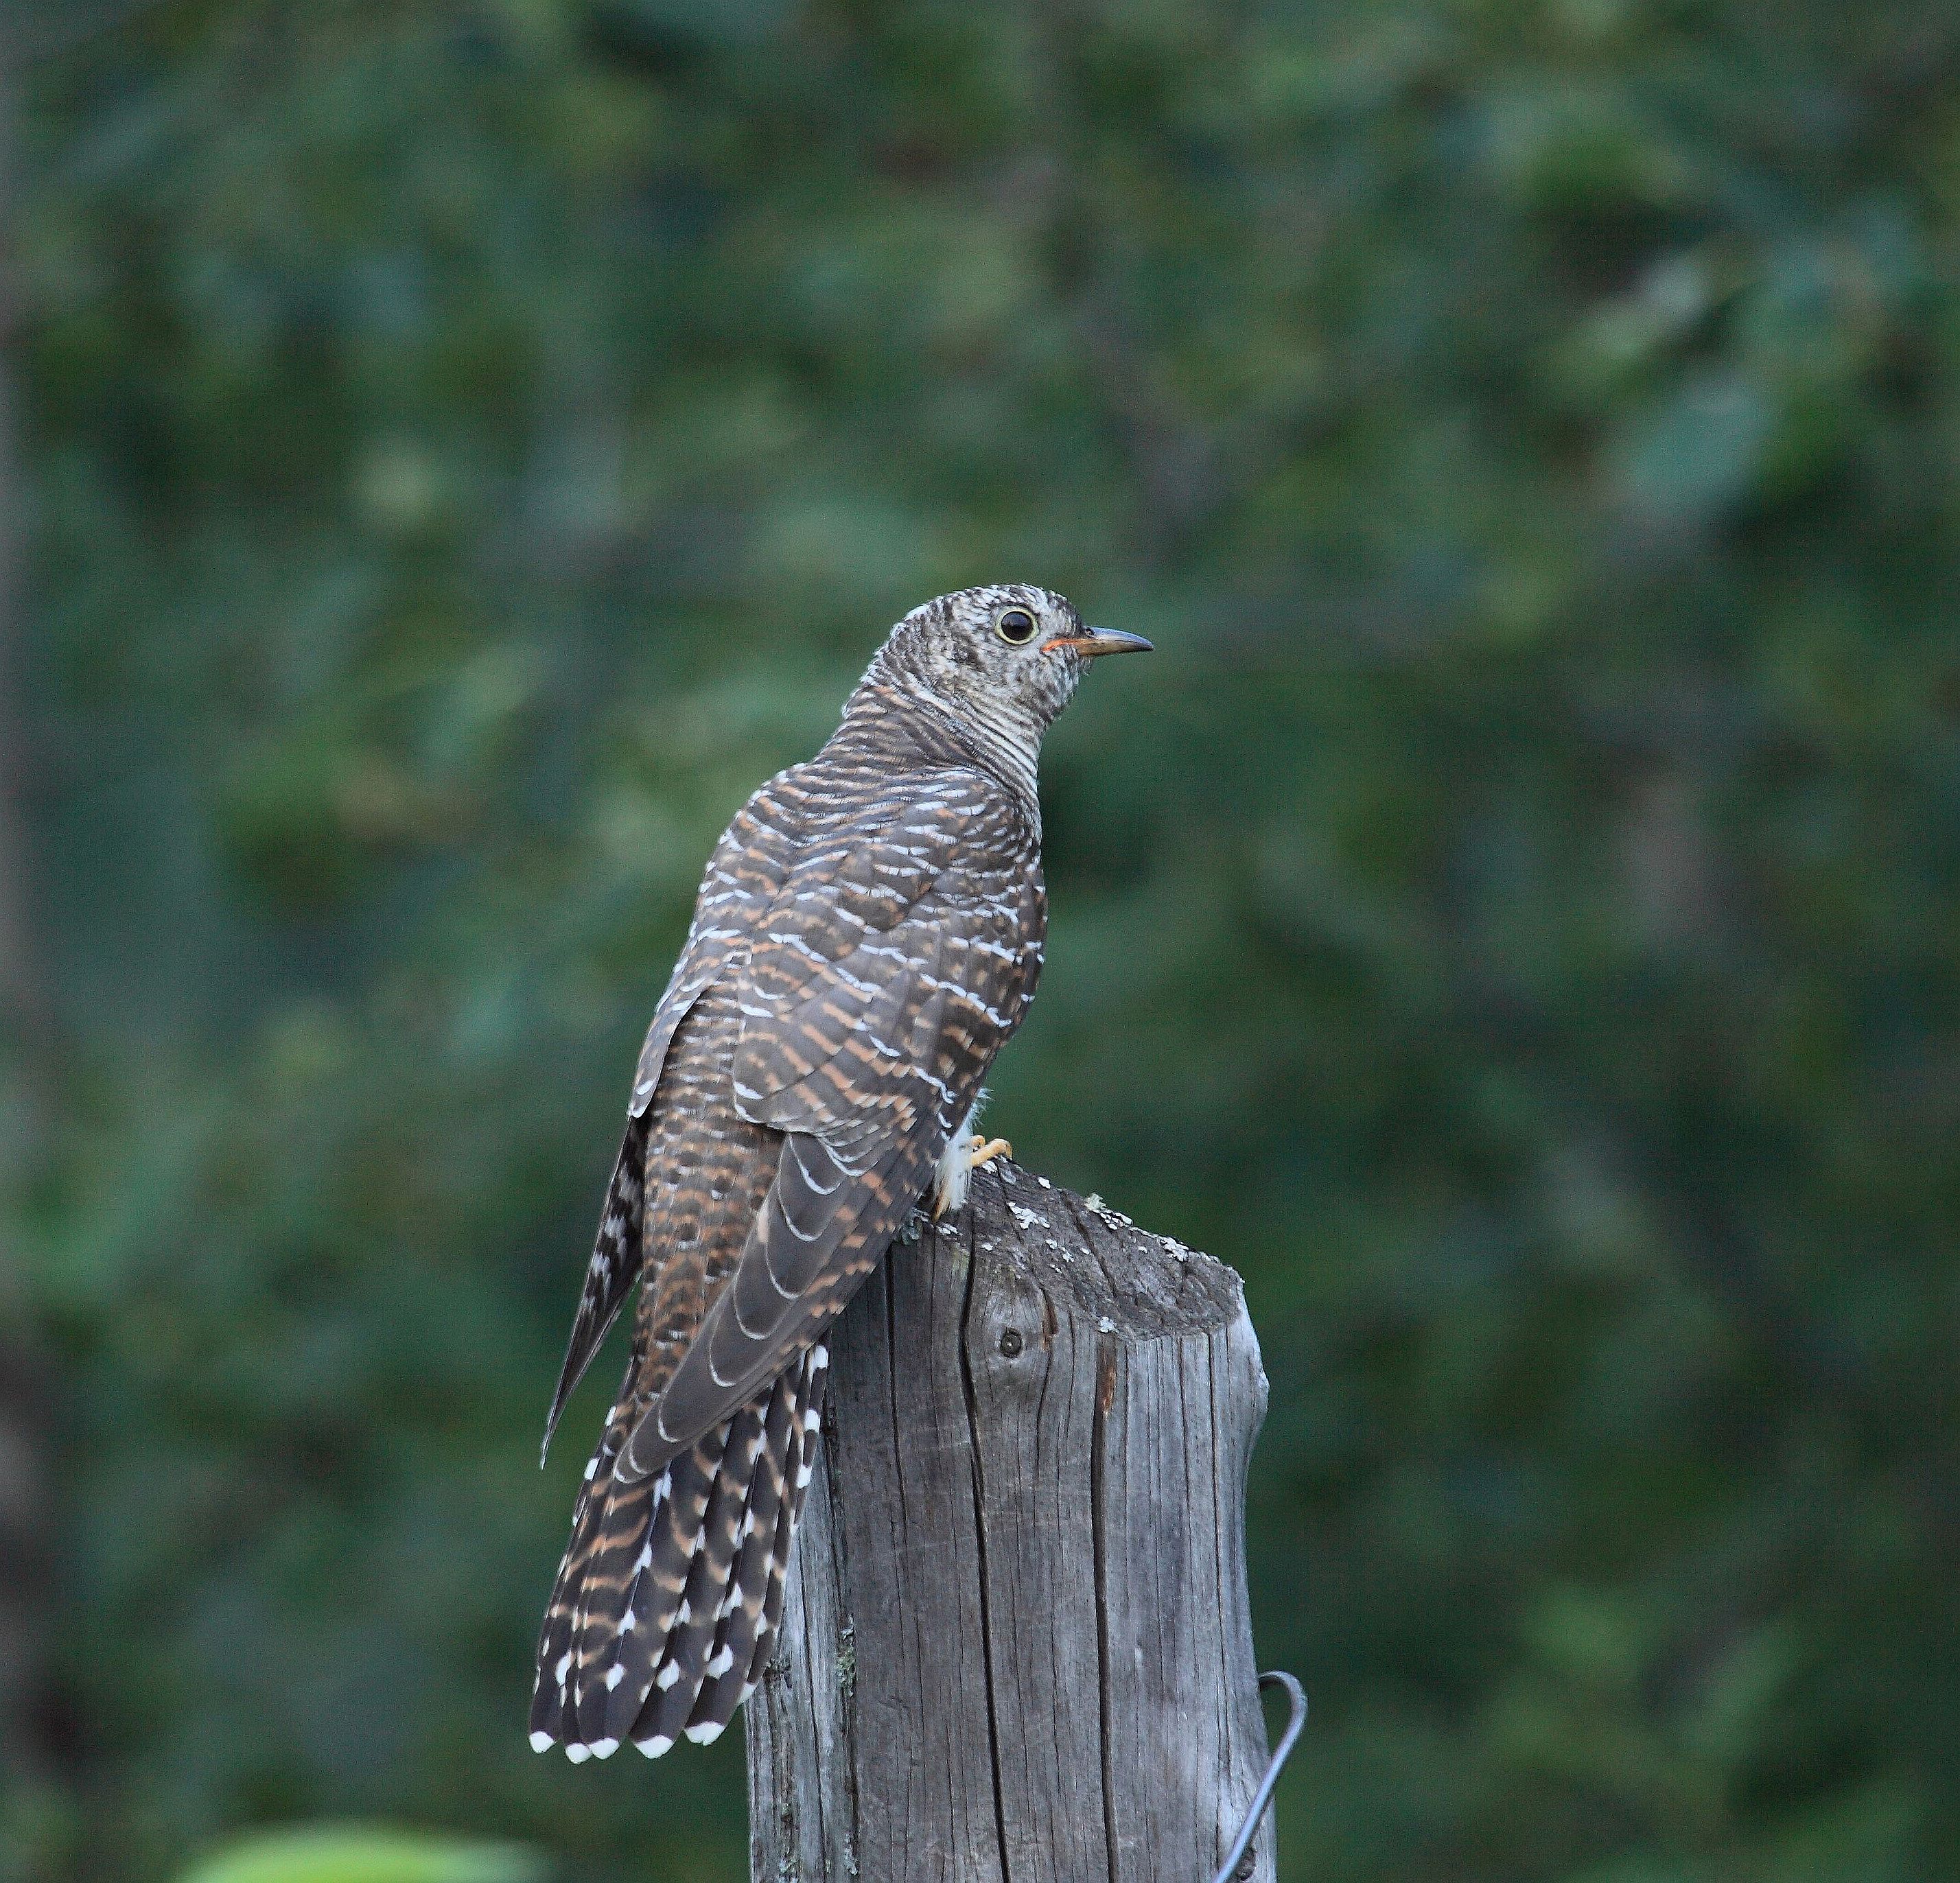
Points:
(866, 937)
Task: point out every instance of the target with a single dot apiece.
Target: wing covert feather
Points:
(744, 874)
(896, 958)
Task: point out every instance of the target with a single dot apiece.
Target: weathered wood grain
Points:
(1017, 1647)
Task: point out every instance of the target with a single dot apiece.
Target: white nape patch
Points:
(667, 1675)
(706, 1733)
(542, 1742)
(613, 1679)
(654, 1747)
(604, 1748)
(803, 1475)
(578, 1754)
(721, 1664)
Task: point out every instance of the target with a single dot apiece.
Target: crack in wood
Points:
(1105, 1397)
(980, 1543)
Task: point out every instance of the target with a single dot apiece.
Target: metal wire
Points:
(1296, 1699)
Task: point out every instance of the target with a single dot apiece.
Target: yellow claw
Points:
(979, 1150)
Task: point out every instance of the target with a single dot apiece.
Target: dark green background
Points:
(462, 450)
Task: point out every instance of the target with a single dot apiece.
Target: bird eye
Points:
(1016, 626)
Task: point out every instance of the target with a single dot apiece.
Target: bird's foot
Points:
(958, 1165)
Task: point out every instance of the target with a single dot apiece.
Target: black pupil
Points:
(1017, 624)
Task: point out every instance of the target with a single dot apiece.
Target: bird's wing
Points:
(743, 877)
(610, 1275)
(896, 958)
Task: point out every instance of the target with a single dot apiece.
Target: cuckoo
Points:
(866, 937)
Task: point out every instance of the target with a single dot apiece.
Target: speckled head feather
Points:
(951, 651)
(999, 663)
(867, 936)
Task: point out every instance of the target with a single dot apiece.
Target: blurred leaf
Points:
(357, 1854)
(1698, 451)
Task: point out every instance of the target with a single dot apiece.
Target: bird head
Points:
(1004, 659)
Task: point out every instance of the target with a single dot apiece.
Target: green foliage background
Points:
(1512, 919)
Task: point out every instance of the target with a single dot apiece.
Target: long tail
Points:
(671, 1590)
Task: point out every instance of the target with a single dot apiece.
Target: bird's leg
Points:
(966, 1151)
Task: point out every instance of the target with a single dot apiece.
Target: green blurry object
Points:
(356, 1853)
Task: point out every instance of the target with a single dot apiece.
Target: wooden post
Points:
(1016, 1647)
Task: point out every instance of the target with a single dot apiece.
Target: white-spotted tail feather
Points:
(672, 1591)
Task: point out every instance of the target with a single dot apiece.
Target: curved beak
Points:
(1094, 640)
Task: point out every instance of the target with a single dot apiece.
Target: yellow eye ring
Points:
(1016, 626)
